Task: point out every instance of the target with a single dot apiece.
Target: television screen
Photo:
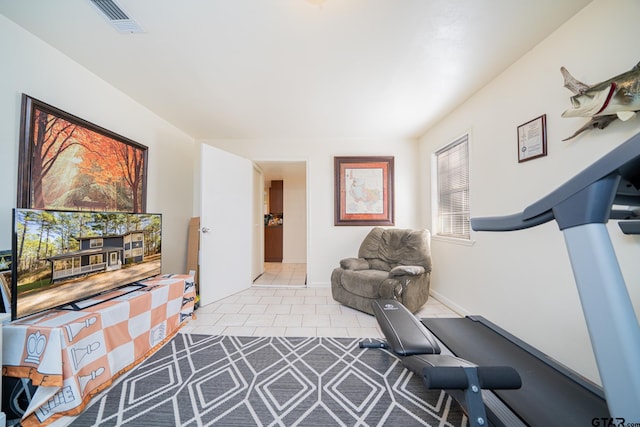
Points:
(60, 257)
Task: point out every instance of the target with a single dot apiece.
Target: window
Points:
(66, 264)
(452, 190)
(96, 259)
(95, 243)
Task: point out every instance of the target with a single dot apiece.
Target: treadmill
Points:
(608, 189)
(500, 380)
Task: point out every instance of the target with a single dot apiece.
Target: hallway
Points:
(282, 274)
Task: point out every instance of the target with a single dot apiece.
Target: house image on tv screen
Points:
(98, 254)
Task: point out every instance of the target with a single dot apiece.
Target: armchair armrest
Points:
(407, 270)
(354, 264)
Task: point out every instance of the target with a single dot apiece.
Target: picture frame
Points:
(5, 280)
(532, 139)
(5, 291)
(5, 260)
(68, 163)
(364, 190)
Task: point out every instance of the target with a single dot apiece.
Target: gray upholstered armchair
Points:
(391, 264)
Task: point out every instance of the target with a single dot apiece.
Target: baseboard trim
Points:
(449, 303)
(317, 284)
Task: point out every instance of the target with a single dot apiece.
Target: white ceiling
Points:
(267, 69)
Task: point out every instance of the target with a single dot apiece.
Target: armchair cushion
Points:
(352, 282)
(410, 270)
(354, 264)
(378, 264)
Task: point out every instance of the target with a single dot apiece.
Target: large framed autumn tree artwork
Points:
(68, 163)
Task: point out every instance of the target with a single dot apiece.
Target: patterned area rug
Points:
(198, 380)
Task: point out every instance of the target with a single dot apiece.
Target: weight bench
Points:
(419, 352)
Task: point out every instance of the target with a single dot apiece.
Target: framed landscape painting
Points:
(68, 163)
(363, 190)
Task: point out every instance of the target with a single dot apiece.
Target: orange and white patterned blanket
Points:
(71, 355)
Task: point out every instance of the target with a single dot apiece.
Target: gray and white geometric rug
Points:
(205, 380)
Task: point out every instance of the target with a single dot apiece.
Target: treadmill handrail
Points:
(509, 222)
(623, 161)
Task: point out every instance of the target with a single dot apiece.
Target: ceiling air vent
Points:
(116, 16)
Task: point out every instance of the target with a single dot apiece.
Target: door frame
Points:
(257, 162)
(257, 257)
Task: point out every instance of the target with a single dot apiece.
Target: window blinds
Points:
(453, 189)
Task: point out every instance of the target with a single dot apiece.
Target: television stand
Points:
(71, 355)
(102, 297)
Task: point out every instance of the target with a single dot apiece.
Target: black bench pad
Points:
(405, 334)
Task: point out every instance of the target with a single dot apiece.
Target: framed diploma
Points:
(532, 139)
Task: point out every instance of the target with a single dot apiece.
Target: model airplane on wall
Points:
(616, 98)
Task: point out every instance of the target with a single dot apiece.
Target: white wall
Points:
(294, 231)
(522, 280)
(31, 66)
(328, 244)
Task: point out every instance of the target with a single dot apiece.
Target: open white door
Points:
(226, 225)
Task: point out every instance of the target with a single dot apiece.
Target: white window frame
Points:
(96, 259)
(464, 236)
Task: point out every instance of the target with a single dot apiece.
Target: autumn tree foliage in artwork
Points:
(73, 166)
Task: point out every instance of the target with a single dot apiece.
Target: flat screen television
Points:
(63, 257)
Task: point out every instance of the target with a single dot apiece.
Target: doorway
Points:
(282, 274)
(292, 270)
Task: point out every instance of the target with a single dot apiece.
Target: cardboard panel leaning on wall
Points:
(33, 67)
(523, 280)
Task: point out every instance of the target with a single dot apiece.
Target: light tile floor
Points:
(292, 311)
(277, 273)
(280, 308)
